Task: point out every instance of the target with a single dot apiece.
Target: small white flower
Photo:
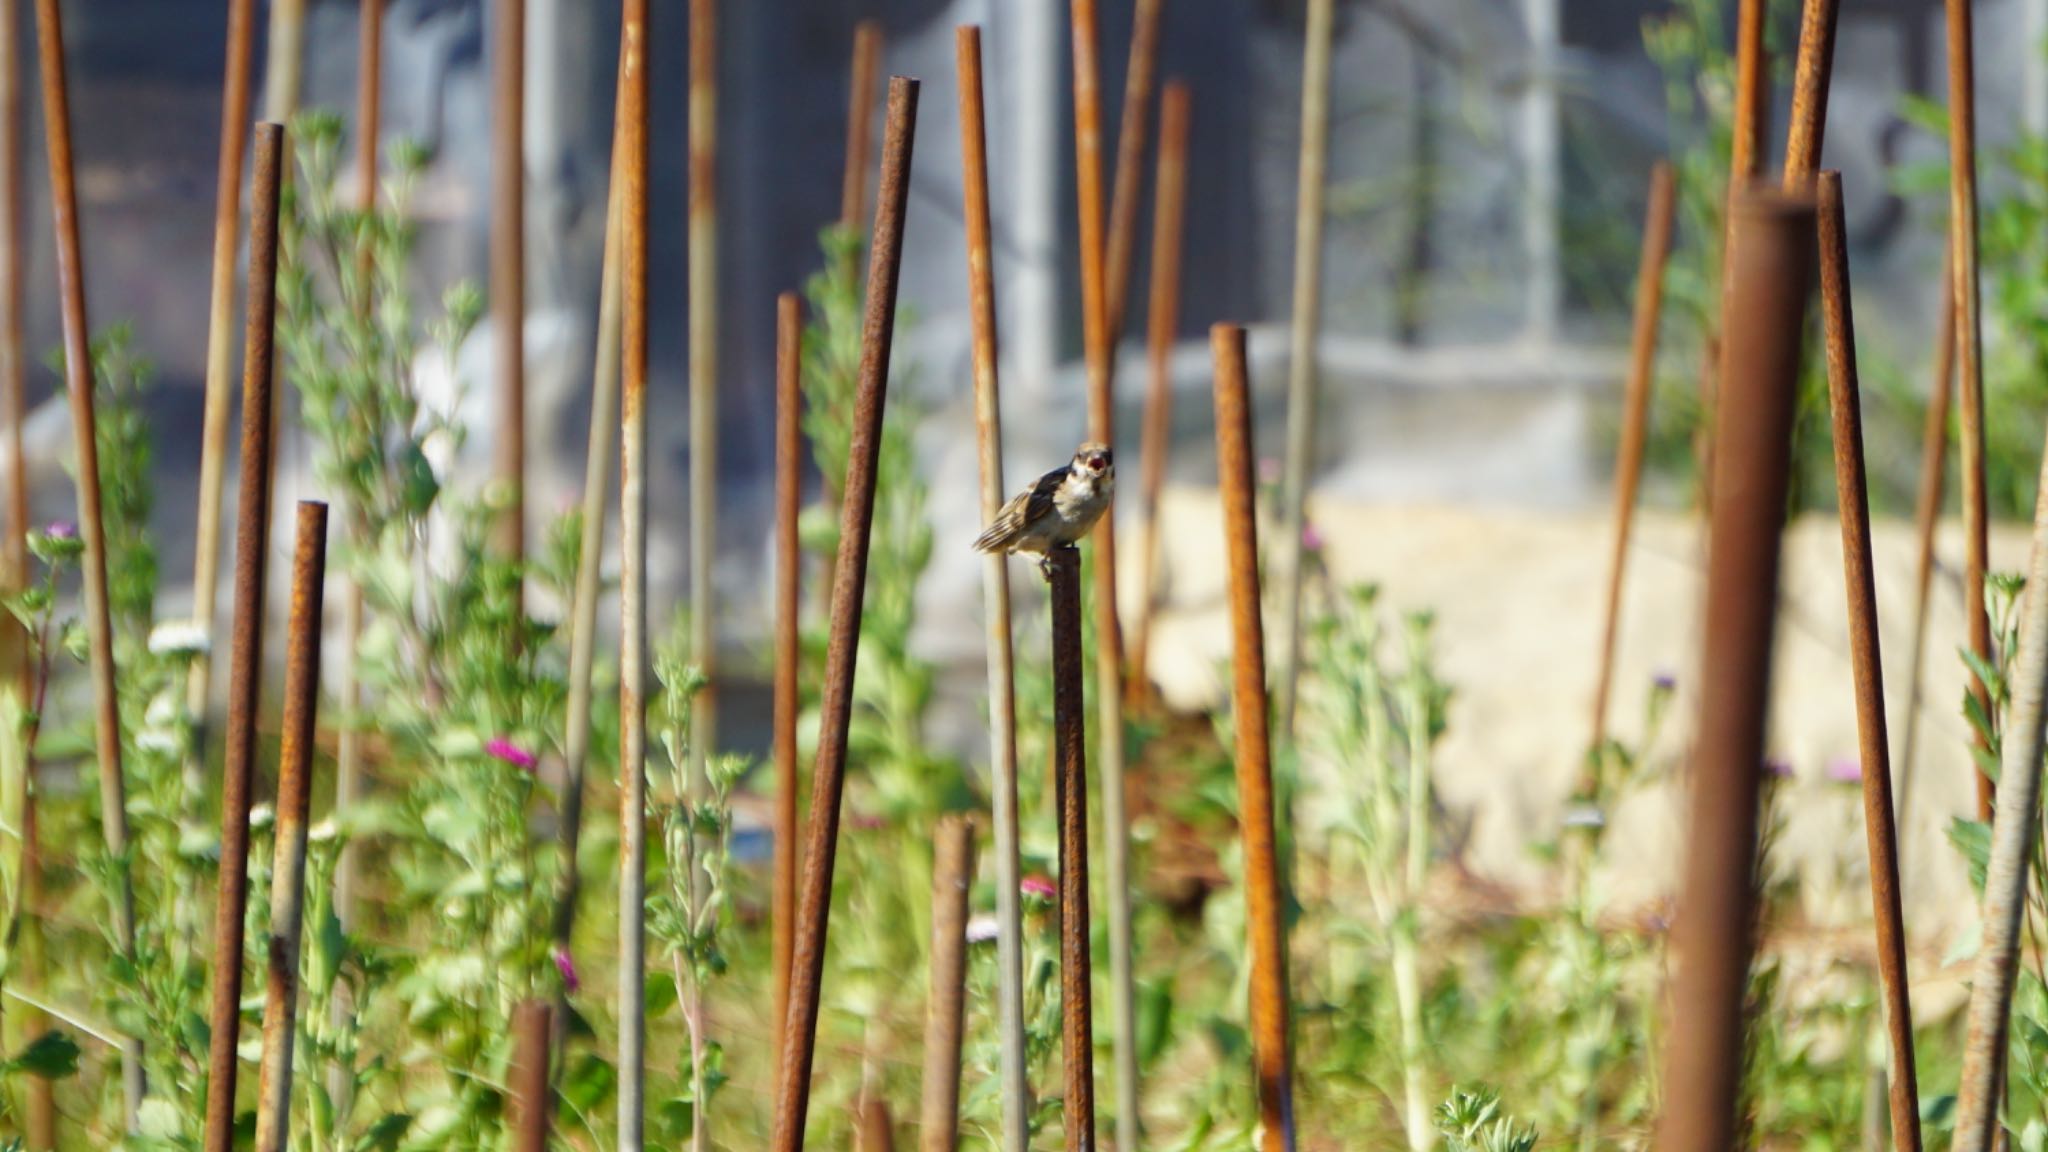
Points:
(981, 929)
(1585, 816)
(262, 816)
(322, 832)
(179, 637)
(162, 711)
(158, 740)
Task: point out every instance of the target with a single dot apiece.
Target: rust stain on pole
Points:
(995, 594)
(703, 306)
(531, 1027)
(1703, 1058)
(1635, 422)
(508, 264)
(1163, 325)
(828, 778)
(294, 796)
(1879, 824)
(1070, 790)
(1926, 517)
(1128, 186)
(245, 658)
(632, 1056)
(1810, 81)
(79, 384)
(946, 1006)
(1265, 915)
(860, 110)
(1962, 223)
(789, 460)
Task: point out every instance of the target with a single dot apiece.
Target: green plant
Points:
(1472, 1121)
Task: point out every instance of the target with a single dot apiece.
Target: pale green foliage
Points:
(1472, 1121)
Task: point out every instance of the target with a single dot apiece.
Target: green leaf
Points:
(51, 1056)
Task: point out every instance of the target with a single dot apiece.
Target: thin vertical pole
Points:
(995, 595)
(245, 658)
(1879, 825)
(1541, 158)
(1070, 779)
(632, 1056)
(78, 378)
(1962, 223)
(1774, 253)
(227, 207)
(1745, 165)
(1128, 185)
(1163, 325)
(828, 778)
(1100, 342)
(789, 461)
(284, 60)
(294, 797)
(1810, 81)
(946, 1006)
(860, 111)
(1301, 352)
(703, 376)
(508, 266)
(1272, 1056)
(1926, 518)
(1635, 422)
(531, 1027)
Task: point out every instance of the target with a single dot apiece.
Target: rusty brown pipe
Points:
(531, 1028)
(508, 265)
(789, 335)
(1070, 791)
(1127, 187)
(1810, 81)
(946, 1005)
(860, 111)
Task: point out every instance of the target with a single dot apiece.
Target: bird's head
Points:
(1093, 461)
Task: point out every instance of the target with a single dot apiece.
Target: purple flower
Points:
(1039, 886)
(567, 967)
(499, 748)
(1777, 769)
(981, 929)
(1311, 539)
(1845, 770)
(868, 822)
(61, 530)
(1665, 682)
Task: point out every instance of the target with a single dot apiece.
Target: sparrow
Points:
(1057, 509)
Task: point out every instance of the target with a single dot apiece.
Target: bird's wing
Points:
(1024, 509)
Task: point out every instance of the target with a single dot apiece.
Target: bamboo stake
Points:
(632, 1057)
(860, 105)
(284, 61)
(1070, 786)
(1702, 1063)
(1879, 827)
(995, 594)
(946, 1009)
(1962, 217)
(1301, 354)
(508, 265)
(1926, 517)
(828, 778)
(2013, 829)
(1168, 210)
(227, 206)
(1271, 1055)
(79, 383)
(1810, 80)
(1635, 420)
(531, 1027)
(41, 1119)
(245, 658)
(1100, 341)
(789, 462)
(1128, 185)
(294, 797)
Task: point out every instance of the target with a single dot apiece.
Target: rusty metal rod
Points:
(1070, 790)
(2014, 825)
(1810, 81)
(633, 654)
(876, 1128)
(1879, 824)
(245, 658)
(1304, 329)
(1128, 185)
(1635, 422)
(946, 1004)
(1926, 518)
(508, 266)
(294, 797)
(1265, 912)
(703, 305)
(1745, 166)
(1100, 342)
(1773, 270)
(1163, 325)
(227, 208)
(78, 378)
(1962, 222)
(789, 463)
(828, 778)
(531, 1027)
(860, 112)
(995, 594)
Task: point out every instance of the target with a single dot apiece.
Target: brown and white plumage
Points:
(1057, 509)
